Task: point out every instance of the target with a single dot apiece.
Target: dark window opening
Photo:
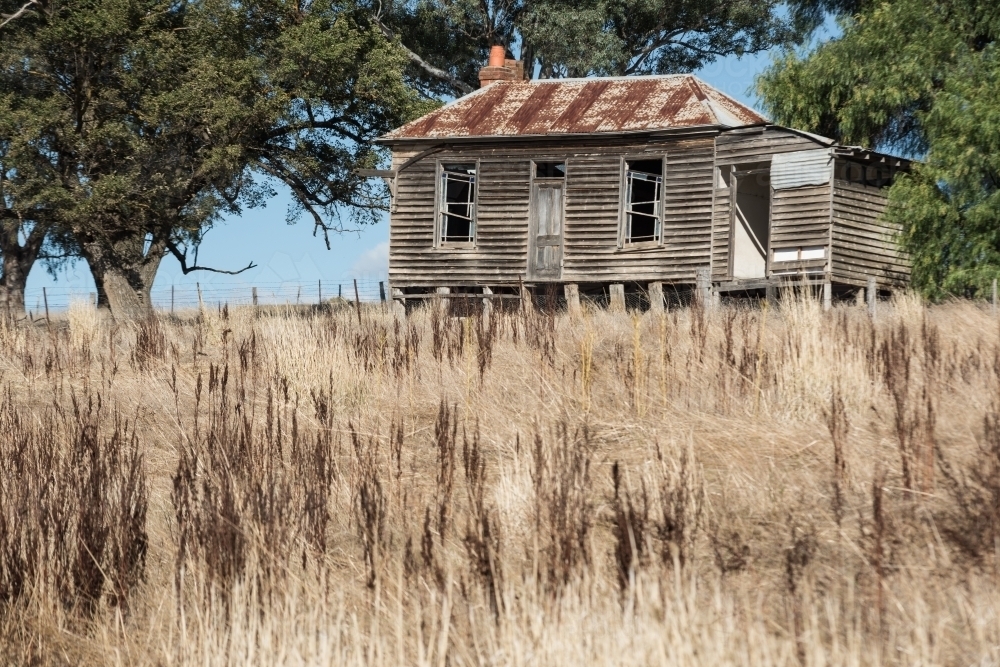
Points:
(458, 205)
(876, 175)
(550, 170)
(643, 194)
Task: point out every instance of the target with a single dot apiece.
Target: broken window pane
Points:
(458, 208)
(550, 170)
(643, 192)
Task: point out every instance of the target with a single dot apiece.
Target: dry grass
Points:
(774, 486)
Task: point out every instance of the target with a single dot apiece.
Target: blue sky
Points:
(288, 256)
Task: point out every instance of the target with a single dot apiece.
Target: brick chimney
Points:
(500, 68)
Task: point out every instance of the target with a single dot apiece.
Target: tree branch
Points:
(185, 269)
(437, 73)
(7, 18)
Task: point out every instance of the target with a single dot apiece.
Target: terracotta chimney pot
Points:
(500, 68)
(497, 55)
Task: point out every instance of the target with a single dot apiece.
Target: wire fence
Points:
(170, 298)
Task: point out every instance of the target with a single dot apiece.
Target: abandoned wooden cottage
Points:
(653, 185)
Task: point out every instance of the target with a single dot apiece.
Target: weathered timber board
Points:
(864, 245)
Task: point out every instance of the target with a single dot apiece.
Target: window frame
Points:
(439, 211)
(623, 203)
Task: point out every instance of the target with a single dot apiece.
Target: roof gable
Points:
(554, 107)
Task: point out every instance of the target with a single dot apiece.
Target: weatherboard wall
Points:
(864, 244)
(754, 147)
(592, 213)
(842, 216)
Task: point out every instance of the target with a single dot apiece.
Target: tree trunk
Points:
(102, 295)
(17, 262)
(124, 275)
(13, 278)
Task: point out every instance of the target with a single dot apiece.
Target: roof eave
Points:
(491, 138)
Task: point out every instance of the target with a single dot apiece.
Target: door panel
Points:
(545, 244)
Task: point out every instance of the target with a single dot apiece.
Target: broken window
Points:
(643, 208)
(550, 170)
(458, 203)
(876, 175)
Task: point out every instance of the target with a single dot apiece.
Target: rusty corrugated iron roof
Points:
(553, 107)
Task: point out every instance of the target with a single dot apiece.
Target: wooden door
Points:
(545, 242)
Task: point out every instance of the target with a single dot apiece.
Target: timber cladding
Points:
(864, 244)
(593, 200)
(835, 227)
(755, 147)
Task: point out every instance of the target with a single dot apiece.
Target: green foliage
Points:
(950, 206)
(581, 37)
(136, 123)
(921, 79)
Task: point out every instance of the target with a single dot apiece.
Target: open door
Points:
(545, 240)
(750, 222)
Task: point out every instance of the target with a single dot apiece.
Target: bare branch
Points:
(436, 72)
(7, 18)
(185, 269)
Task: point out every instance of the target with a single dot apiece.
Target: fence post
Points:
(827, 295)
(201, 304)
(319, 292)
(45, 297)
(298, 295)
(871, 294)
(381, 291)
(253, 296)
(357, 301)
(340, 292)
(171, 300)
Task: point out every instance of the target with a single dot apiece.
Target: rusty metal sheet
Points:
(581, 106)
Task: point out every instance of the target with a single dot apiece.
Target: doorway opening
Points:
(751, 221)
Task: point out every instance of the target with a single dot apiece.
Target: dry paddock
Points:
(776, 486)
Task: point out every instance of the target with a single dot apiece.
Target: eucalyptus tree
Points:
(447, 40)
(136, 124)
(922, 78)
